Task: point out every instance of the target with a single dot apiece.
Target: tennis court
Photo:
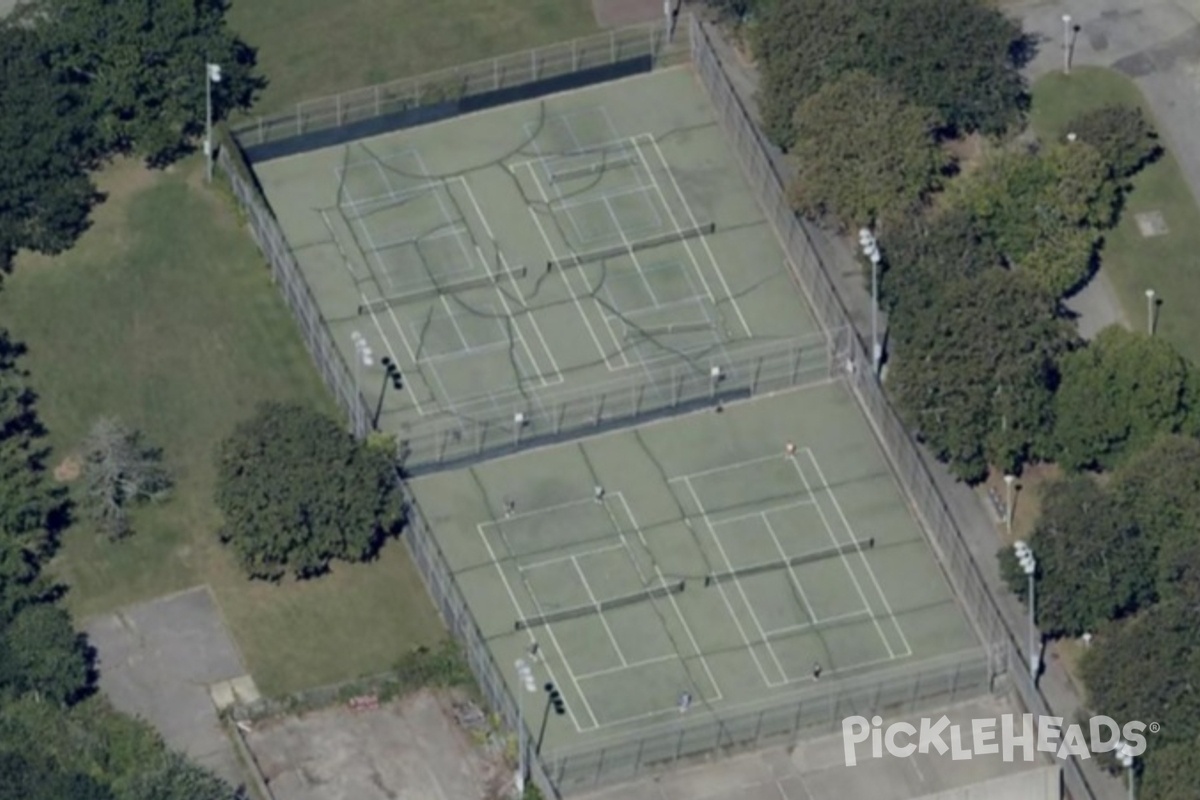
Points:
(696, 566)
(508, 258)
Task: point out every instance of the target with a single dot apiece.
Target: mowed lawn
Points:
(165, 316)
(313, 48)
(1134, 263)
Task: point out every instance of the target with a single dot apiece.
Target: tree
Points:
(31, 774)
(173, 777)
(1160, 489)
(1169, 770)
(297, 491)
(118, 471)
(957, 57)
(1146, 669)
(142, 66)
(1121, 134)
(1093, 563)
(923, 253)
(47, 144)
(862, 151)
(41, 653)
(1043, 211)
(31, 509)
(976, 375)
(1117, 395)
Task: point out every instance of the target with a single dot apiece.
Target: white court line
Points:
(790, 629)
(544, 510)
(637, 264)
(550, 561)
(849, 529)
(808, 609)
(487, 228)
(464, 353)
(670, 597)
(590, 200)
(703, 241)
(599, 611)
(600, 672)
(453, 321)
(746, 600)
(570, 288)
(412, 357)
(740, 517)
(533, 640)
(725, 468)
(446, 216)
(845, 563)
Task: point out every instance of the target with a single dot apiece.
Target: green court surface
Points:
(507, 258)
(696, 556)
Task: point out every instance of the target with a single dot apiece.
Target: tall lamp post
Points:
(1150, 311)
(391, 377)
(212, 74)
(1066, 44)
(553, 700)
(1029, 566)
(525, 677)
(870, 249)
(1126, 757)
(363, 357)
(1009, 482)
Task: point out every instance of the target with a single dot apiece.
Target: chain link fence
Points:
(494, 74)
(773, 366)
(941, 528)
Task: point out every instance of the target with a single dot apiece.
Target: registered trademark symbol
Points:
(1155, 727)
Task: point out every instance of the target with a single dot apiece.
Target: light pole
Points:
(1126, 757)
(553, 700)
(212, 74)
(525, 677)
(870, 249)
(1009, 481)
(1029, 566)
(1066, 44)
(391, 374)
(363, 357)
(1150, 309)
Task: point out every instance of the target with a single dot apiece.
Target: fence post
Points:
(299, 119)
(496, 72)
(533, 65)
(377, 103)
(338, 101)
(612, 46)
(574, 55)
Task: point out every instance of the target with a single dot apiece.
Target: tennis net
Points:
(433, 290)
(604, 605)
(803, 558)
(593, 168)
(578, 259)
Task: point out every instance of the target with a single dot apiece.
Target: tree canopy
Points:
(297, 491)
(975, 377)
(47, 144)
(957, 57)
(885, 168)
(1121, 135)
(1093, 563)
(1117, 394)
(141, 67)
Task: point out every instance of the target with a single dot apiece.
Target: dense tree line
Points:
(84, 80)
(865, 97)
(57, 738)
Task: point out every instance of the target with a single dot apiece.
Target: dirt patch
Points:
(68, 469)
(619, 13)
(1027, 496)
(967, 152)
(429, 744)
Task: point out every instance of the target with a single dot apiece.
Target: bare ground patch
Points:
(68, 469)
(413, 747)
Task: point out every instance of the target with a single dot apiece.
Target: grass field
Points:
(1132, 262)
(164, 315)
(312, 48)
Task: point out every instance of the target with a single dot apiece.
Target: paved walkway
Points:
(1158, 44)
